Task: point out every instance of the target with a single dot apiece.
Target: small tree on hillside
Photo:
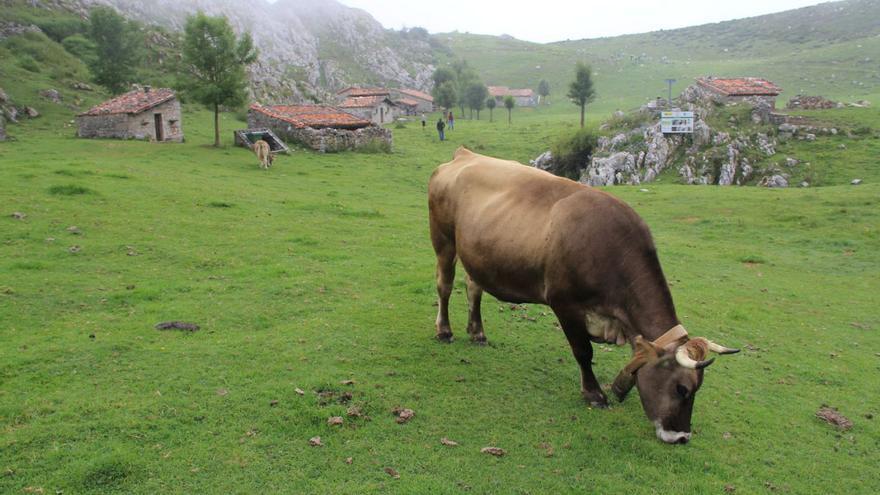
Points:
(117, 49)
(509, 103)
(215, 63)
(544, 90)
(444, 95)
(490, 104)
(440, 76)
(476, 96)
(581, 89)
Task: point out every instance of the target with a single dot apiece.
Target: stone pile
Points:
(811, 103)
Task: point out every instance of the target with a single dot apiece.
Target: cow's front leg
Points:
(475, 318)
(573, 321)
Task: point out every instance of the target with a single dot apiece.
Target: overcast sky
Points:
(556, 20)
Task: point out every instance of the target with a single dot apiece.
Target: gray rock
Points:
(791, 162)
(607, 171)
(841, 146)
(31, 112)
(52, 95)
(619, 114)
(702, 133)
(856, 182)
(766, 145)
(543, 162)
(721, 138)
(776, 181)
(789, 128)
(810, 137)
(82, 86)
(617, 142)
(805, 184)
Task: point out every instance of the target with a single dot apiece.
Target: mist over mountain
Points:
(307, 47)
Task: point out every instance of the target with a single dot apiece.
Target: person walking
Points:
(424, 122)
(440, 127)
(451, 121)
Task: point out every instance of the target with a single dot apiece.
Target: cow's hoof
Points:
(445, 337)
(479, 339)
(596, 399)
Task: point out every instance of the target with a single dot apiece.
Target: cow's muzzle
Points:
(669, 436)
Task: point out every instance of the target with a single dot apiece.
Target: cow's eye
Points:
(682, 391)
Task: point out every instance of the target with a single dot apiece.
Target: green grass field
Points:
(320, 270)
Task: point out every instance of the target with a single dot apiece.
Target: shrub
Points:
(375, 146)
(28, 63)
(572, 154)
(80, 47)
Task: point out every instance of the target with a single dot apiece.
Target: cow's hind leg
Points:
(475, 319)
(445, 278)
(573, 321)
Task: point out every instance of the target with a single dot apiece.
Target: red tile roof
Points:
(740, 86)
(408, 102)
(417, 94)
(318, 116)
(353, 91)
(135, 101)
(364, 101)
(505, 91)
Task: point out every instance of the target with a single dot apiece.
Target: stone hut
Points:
(732, 90)
(407, 106)
(319, 127)
(378, 109)
(523, 97)
(424, 102)
(144, 113)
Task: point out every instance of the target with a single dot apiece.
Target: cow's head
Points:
(668, 378)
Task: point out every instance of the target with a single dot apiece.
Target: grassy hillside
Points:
(320, 270)
(830, 49)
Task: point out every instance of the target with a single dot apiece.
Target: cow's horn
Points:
(699, 346)
(720, 349)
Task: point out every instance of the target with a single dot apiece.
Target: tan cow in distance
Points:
(527, 236)
(264, 154)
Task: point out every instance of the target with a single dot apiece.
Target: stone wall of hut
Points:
(327, 139)
(133, 126)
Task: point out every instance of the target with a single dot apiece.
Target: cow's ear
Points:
(648, 350)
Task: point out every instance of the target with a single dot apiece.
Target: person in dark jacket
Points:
(440, 127)
(451, 121)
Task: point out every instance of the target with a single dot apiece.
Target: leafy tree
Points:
(509, 103)
(214, 64)
(581, 89)
(544, 90)
(464, 77)
(117, 49)
(444, 95)
(442, 75)
(476, 95)
(490, 104)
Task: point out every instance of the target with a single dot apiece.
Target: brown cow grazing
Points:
(526, 236)
(264, 154)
